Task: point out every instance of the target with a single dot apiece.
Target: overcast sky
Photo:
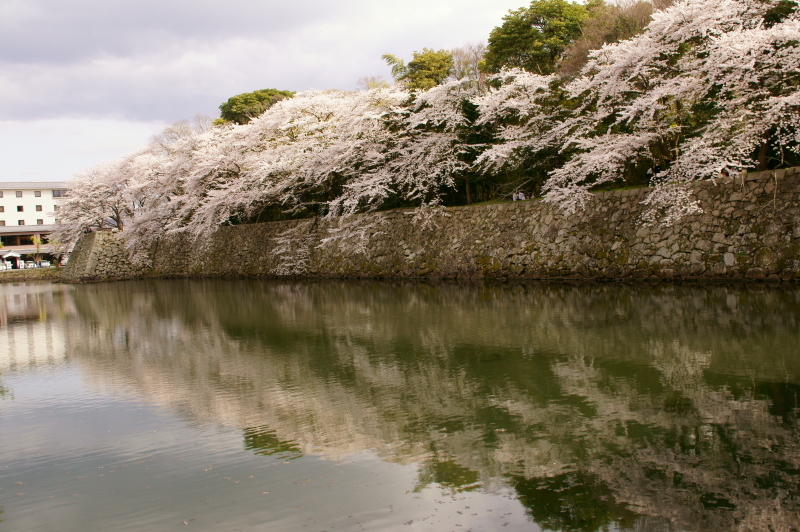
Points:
(85, 81)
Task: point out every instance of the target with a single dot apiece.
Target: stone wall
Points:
(750, 229)
(100, 256)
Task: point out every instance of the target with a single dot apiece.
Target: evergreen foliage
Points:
(534, 38)
(427, 69)
(242, 108)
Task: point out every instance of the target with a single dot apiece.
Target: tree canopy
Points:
(427, 69)
(244, 107)
(606, 23)
(533, 38)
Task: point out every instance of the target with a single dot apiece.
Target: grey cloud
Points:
(168, 86)
(162, 60)
(59, 31)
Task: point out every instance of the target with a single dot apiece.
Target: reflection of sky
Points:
(72, 458)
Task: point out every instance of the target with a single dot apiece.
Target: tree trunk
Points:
(469, 193)
(763, 151)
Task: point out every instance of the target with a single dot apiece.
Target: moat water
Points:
(330, 406)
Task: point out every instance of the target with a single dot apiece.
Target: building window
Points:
(59, 193)
(20, 208)
(1, 193)
(2, 223)
(37, 193)
(39, 221)
(55, 207)
(20, 222)
(38, 207)
(2, 209)
(19, 193)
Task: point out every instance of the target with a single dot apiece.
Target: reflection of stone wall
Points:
(662, 394)
(750, 228)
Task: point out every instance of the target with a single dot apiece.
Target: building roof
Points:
(16, 251)
(32, 185)
(26, 229)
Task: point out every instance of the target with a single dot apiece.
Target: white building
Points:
(27, 209)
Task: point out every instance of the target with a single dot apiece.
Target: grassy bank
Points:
(33, 274)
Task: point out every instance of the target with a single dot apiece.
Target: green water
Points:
(266, 405)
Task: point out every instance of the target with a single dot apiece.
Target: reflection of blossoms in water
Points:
(679, 454)
(670, 402)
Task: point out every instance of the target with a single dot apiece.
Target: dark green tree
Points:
(779, 12)
(244, 107)
(533, 38)
(427, 69)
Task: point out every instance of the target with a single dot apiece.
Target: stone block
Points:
(729, 259)
(704, 245)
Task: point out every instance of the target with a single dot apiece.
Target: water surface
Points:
(271, 405)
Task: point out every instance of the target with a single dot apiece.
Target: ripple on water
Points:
(280, 405)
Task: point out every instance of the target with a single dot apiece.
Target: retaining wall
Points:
(750, 229)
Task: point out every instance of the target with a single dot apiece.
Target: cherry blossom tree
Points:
(702, 89)
(431, 153)
(522, 111)
(97, 200)
(708, 85)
